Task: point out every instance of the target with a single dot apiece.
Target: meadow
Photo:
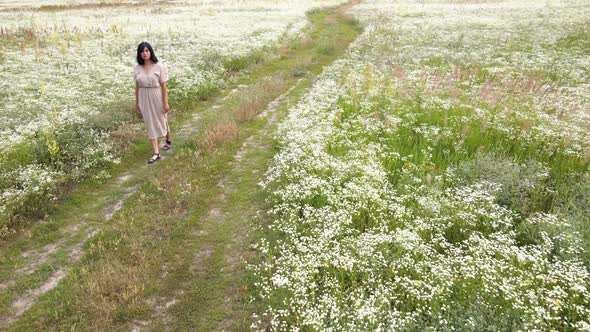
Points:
(436, 177)
(433, 177)
(66, 86)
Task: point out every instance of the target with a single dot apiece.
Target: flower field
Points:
(66, 86)
(437, 176)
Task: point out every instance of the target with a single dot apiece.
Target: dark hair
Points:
(140, 49)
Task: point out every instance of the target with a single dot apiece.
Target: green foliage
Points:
(28, 192)
(572, 200)
(326, 45)
(199, 92)
(112, 116)
(315, 15)
(579, 40)
(523, 185)
(236, 63)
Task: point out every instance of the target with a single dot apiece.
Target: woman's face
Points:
(145, 54)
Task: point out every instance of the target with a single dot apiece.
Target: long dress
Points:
(150, 99)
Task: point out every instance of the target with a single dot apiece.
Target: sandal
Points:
(167, 145)
(154, 158)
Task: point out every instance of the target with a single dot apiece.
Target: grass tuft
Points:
(219, 134)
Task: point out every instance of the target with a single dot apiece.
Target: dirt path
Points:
(222, 220)
(165, 247)
(342, 11)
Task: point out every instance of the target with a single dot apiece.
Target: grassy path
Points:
(165, 247)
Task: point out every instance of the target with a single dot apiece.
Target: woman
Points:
(151, 97)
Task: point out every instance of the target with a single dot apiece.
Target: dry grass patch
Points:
(21, 38)
(113, 287)
(91, 6)
(124, 135)
(305, 41)
(283, 52)
(270, 87)
(245, 106)
(257, 98)
(249, 108)
(179, 188)
(218, 134)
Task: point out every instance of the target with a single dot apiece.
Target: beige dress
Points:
(150, 99)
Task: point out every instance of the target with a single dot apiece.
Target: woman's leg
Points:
(155, 146)
(168, 144)
(156, 149)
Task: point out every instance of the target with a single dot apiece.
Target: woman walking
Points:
(151, 97)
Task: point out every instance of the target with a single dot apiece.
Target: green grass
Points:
(579, 40)
(536, 176)
(235, 64)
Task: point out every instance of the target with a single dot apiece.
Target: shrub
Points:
(236, 63)
(522, 184)
(26, 192)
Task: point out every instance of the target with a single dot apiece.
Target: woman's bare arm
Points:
(165, 97)
(137, 97)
